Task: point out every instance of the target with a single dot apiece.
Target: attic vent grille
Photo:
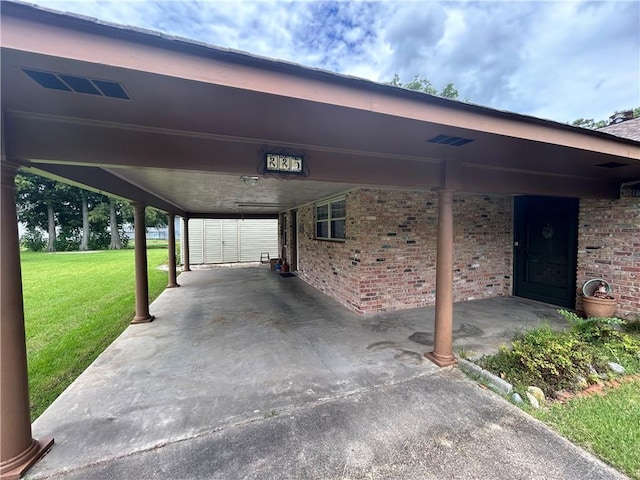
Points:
(74, 83)
(449, 140)
(612, 165)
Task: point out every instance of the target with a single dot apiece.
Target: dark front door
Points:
(545, 246)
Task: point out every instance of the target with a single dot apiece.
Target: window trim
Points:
(330, 218)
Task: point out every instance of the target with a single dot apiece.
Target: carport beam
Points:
(142, 281)
(172, 251)
(18, 449)
(442, 354)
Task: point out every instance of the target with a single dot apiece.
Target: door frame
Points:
(523, 205)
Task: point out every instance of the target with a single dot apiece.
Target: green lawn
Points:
(565, 362)
(76, 304)
(607, 425)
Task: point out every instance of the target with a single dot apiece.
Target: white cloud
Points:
(555, 59)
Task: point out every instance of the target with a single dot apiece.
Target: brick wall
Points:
(609, 248)
(483, 238)
(388, 259)
(331, 267)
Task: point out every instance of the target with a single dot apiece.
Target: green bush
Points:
(557, 361)
(632, 325)
(33, 240)
(594, 329)
(101, 240)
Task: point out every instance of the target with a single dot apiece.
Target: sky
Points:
(559, 60)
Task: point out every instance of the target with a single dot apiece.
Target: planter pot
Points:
(598, 307)
(285, 267)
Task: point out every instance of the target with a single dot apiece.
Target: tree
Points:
(152, 216)
(73, 217)
(421, 84)
(84, 243)
(591, 124)
(36, 199)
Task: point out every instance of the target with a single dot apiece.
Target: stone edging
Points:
(496, 383)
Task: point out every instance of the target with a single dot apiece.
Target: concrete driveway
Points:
(246, 374)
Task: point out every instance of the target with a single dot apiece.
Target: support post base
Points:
(142, 319)
(173, 285)
(441, 360)
(25, 460)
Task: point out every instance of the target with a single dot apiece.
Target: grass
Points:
(607, 425)
(76, 304)
(563, 362)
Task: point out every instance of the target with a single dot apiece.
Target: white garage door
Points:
(231, 240)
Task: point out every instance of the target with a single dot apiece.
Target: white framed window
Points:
(330, 219)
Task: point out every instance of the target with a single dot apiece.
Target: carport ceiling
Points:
(198, 118)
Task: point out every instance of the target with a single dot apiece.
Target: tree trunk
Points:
(84, 243)
(51, 244)
(113, 226)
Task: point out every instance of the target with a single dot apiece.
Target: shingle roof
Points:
(629, 129)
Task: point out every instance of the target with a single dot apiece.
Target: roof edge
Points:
(37, 13)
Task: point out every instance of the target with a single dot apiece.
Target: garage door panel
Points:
(195, 242)
(257, 237)
(213, 241)
(232, 240)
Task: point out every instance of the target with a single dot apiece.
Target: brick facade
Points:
(388, 259)
(609, 248)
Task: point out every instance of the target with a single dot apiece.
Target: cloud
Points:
(555, 59)
(589, 66)
(558, 60)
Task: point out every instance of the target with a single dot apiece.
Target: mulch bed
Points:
(597, 388)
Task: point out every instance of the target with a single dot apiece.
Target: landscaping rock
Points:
(581, 382)
(537, 393)
(616, 368)
(496, 383)
(517, 398)
(593, 371)
(533, 400)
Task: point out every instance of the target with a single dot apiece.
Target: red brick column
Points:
(142, 281)
(172, 251)
(18, 450)
(442, 354)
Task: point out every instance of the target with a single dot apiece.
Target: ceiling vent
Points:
(449, 140)
(74, 83)
(612, 165)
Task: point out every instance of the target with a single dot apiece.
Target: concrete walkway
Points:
(245, 374)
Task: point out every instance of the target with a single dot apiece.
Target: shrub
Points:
(33, 240)
(552, 361)
(555, 360)
(594, 329)
(632, 325)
